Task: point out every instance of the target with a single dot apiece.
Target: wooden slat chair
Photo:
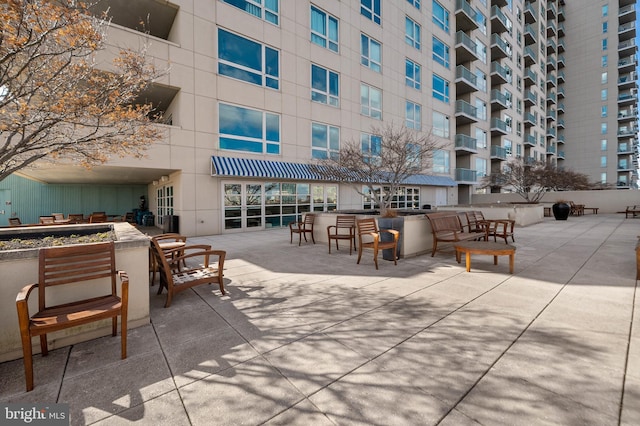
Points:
(88, 264)
(369, 237)
(76, 218)
(199, 270)
(14, 221)
(303, 228)
(344, 229)
(167, 242)
(98, 217)
(501, 229)
(47, 220)
(475, 221)
(447, 227)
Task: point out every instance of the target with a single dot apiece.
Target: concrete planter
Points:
(20, 267)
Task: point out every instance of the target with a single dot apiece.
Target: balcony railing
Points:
(466, 175)
(466, 142)
(499, 152)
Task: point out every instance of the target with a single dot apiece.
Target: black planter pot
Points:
(561, 211)
(396, 223)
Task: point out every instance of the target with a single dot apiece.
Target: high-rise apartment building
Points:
(258, 89)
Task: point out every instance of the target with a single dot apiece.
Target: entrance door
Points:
(5, 206)
(243, 206)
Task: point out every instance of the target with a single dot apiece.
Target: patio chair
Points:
(167, 242)
(344, 229)
(47, 220)
(475, 221)
(198, 270)
(76, 218)
(501, 229)
(57, 216)
(14, 221)
(369, 236)
(97, 217)
(303, 228)
(92, 266)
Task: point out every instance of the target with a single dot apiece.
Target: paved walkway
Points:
(308, 338)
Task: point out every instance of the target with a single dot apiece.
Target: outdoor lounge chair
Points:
(370, 237)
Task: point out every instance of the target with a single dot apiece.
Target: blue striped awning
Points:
(246, 167)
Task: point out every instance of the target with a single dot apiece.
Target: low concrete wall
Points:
(20, 267)
(524, 215)
(608, 201)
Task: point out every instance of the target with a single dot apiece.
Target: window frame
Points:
(412, 33)
(331, 99)
(445, 60)
(370, 62)
(268, 145)
(443, 131)
(371, 9)
(325, 36)
(266, 11)
(366, 108)
(414, 122)
(331, 147)
(442, 22)
(444, 96)
(412, 74)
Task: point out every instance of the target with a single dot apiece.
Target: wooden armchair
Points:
(89, 264)
(369, 236)
(76, 218)
(47, 220)
(167, 242)
(303, 228)
(14, 221)
(501, 229)
(475, 221)
(98, 217)
(576, 209)
(344, 229)
(176, 278)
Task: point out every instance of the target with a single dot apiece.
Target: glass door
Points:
(243, 205)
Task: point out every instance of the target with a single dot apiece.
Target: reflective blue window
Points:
(412, 74)
(247, 60)
(440, 89)
(269, 11)
(370, 9)
(324, 29)
(440, 16)
(325, 141)
(249, 130)
(440, 53)
(371, 53)
(325, 86)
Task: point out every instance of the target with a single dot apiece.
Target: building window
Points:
(605, 27)
(603, 177)
(603, 145)
(371, 10)
(412, 74)
(412, 33)
(603, 161)
(603, 111)
(415, 3)
(325, 86)
(440, 52)
(371, 146)
(440, 88)
(604, 60)
(508, 147)
(325, 141)
(481, 80)
(324, 29)
(604, 78)
(370, 101)
(440, 16)
(481, 109)
(603, 128)
(248, 130)
(441, 163)
(604, 44)
(406, 197)
(605, 10)
(413, 116)
(268, 11)
(481, 167)
(481, 51)
(371, 53)
(165, 203)
(481, 138)
(247, 60)
(603, 94)
(440, 124)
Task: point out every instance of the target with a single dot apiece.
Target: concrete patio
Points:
(308, 338)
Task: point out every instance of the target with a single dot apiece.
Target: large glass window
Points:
(441, 161)
(440, 124)
(481, 167)
(441, 52)
(371, 146)
(287, 202)
(406, 197)
(481, 138)
(440, 16)
(248, 130)
(371, 10)
(247, 60)
(415, 3)
(412, 33)
(370, 101)
(413, 116)
(324, 29)
(371, 53)
(325, 86)
(325, 141)
(412, 74)
(603, 128)
(165, 203)
(440, 89)
(267, 9)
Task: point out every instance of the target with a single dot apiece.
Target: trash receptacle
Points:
(148, 219)
(171, 224)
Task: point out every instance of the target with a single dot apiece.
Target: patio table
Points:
(494, 249)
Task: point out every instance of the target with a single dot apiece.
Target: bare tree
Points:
(381, 161)
(54, 102)
(532, 180)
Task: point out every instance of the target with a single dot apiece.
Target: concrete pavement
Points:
(308, 338)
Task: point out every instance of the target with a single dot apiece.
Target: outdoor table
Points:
(485, 247)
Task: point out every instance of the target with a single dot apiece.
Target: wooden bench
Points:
(91, 265)
(594, 210)
(632, 210)
(447, 227)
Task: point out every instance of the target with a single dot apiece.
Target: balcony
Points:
(551, 11)
(561, 46)
(629, 114)
(551, 80)
(551, 150)
(551, 63)
(551, 115)
(561, 16)
(530, 57)
(499, 47)
(561, 63)
(530, 77)
(625, 148)
(561, 93)
(466, 49)
(627, 48)
(499, 74)
(552, 98)
(560, 155)
(560, 139)
(560, 108)
(627, 98)
(499, 153)
(499, 127)
(466, 144)
(561, 77)
(627, 81)
(465, 80)
(465, 16)
(627, 131)
(529, 14)
(627, 14)
(499, 22)
(561, 30)
(160, 16)
(560, 124)
(529, 35)
(628, 64)
(627, 31)
(499, 100)
(551, 132)
(551, 29)
(551, 46)
(530, 98)
(465, 112)
(466, 176)
(530, 119)
(529, 140)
